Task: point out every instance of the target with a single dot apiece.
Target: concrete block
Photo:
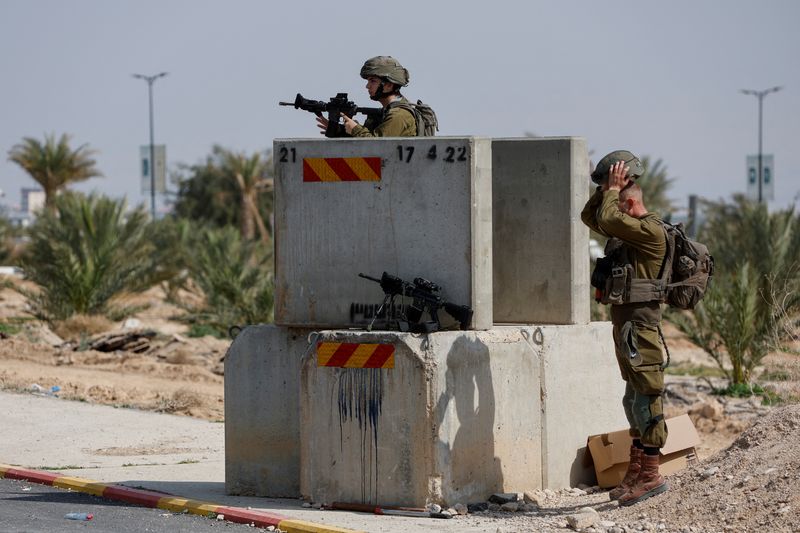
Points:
(441, 426)
(262, 411)
(424, 210)
(583, 391)
(460, 416)
(540, 245)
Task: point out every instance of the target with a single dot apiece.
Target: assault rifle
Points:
(338, 104)
(424, 296)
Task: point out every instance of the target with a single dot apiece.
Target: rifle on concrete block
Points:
(425, 297)
(334, 108)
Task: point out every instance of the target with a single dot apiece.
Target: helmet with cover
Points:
(635, 167)
(387, 68)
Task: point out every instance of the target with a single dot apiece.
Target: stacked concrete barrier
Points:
(412, 207)
(541, 270)
(384, 417)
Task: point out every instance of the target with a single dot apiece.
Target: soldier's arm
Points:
(589, 213)
(398, 123)
(642, 234)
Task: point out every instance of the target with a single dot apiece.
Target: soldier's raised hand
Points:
(617, 177)
(322, 123)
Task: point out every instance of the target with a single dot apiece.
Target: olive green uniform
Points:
(636, 325)
(395, 121)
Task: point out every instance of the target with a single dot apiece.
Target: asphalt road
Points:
(33, 508)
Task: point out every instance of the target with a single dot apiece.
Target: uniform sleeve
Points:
(589, 213)
(398, 123)
(645, 234)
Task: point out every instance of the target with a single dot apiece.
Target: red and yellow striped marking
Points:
(171, 503)
(352, 355)
(342, 169)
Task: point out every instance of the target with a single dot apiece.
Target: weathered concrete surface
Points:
(461, 415)
(582, 394)
(428, 216)
(540, 245)
(262, 411)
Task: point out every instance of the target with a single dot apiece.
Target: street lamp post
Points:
(150, 80)
(760, 95)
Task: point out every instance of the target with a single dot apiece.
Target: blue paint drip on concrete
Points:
(360, 398)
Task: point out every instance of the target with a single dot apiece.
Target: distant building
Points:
(32, 200)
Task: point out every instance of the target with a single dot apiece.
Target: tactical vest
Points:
(615, 279)
(682, 280)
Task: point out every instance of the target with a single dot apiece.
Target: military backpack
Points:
(691, 268)
(424, 115)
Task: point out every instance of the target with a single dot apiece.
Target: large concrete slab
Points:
(460, 416)
(582, 393)
(427, 213)
(262, 411)
(540, 245)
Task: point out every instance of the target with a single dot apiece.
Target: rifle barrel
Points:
(360, 275)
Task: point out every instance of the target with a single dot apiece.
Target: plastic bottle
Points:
(79, 516)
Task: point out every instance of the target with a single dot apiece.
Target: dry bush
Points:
(179, 357)
(77, 326)
(182, 399)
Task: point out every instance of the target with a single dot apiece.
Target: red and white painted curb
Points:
(159, 500)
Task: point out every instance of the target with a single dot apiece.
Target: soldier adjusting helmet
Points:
(635, 167)
(386, 68)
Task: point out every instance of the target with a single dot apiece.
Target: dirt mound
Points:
(175, 375)
(750, 486)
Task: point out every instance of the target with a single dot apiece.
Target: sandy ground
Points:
(176, 374)
(181, 375)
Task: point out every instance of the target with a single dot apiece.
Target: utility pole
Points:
(152, 167)
(760, 95)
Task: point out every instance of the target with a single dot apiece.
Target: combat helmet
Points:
(386, 68)
(635, 167)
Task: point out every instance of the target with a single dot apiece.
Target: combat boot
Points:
(649, 483)
(634, 466)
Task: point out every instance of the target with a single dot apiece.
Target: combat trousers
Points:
(640, 355)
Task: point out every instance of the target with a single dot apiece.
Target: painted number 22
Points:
(452, 154)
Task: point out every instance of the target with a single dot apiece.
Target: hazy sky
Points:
(658, 78)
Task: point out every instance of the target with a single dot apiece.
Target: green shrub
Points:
(201, 330)
(751, 306)
(746, 390)
(235, 277)
(84, 253)
(9, 329)
(6, 241)
(172, 238)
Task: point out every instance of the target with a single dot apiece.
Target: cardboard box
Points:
(610, 452)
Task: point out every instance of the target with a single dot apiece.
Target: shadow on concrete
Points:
(475, 470)
(581, 470)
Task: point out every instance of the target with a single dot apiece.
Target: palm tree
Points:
(654, 184)
(84, 253)
(53, 164)
(251, 177)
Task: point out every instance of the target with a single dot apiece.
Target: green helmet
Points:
(387, 68)
(635, 167)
